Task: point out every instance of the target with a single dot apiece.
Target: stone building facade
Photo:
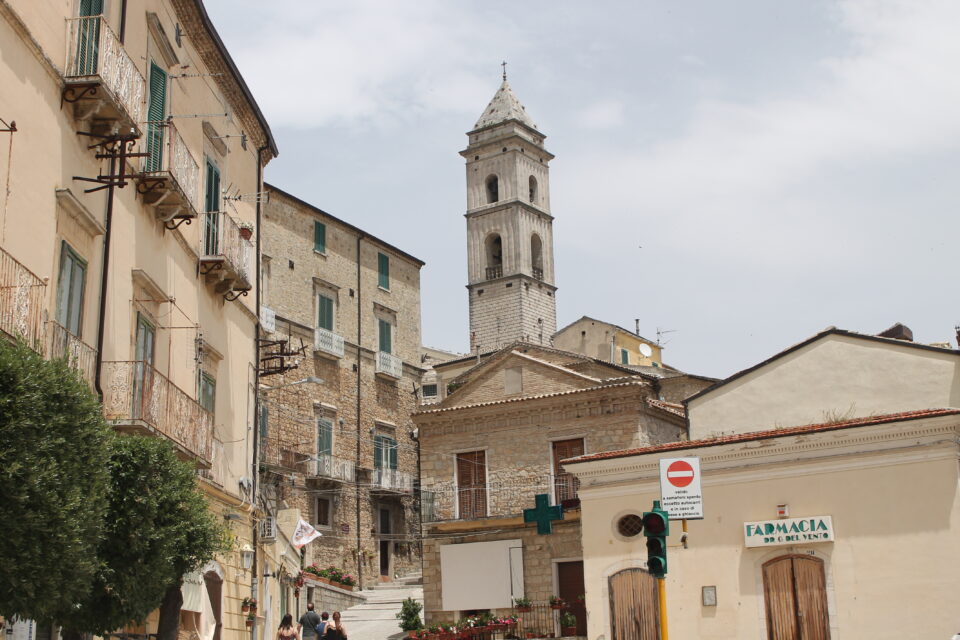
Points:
(511, 277)
(337, 440)
(494, 443)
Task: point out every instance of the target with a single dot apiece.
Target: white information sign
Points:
(772, 533)
(680, 494)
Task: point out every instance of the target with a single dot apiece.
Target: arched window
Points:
(536, 256)
(494, 246)
(493, 189)
(533, 189)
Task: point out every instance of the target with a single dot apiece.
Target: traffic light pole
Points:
(662, 592)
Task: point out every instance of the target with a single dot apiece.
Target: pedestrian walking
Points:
(308, 623)
(335, 629)
(286, 631)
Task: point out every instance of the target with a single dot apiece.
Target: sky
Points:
(738, 175)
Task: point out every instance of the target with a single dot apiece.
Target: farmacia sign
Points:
(770, 533)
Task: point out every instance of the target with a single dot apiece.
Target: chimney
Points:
(637, 321)
(898, 332)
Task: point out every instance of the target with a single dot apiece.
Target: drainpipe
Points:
(104, 272)
(123, 20)
(356, 476)
(255, 466)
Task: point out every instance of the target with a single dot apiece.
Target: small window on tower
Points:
(493, 189)
(533, 189)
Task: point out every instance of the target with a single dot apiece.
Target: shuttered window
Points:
(324, 436)
(386, 336)
(264, 422)
(624, 356)
(207, 391)
(319, 237)
(88, 38)
(325, 313)
(383, 270)
(472, 484)
(211, 228)
(156, 114)
(565, 484)
(323, 512)
(73, 273)
(384, 452)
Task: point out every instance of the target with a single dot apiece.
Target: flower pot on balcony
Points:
(246, 232)
(556, 607)
(568, 631)
(250, 622)
(524, 609)
(245, 608)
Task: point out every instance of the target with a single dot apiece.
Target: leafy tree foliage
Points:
(157, 528)
(53, 483)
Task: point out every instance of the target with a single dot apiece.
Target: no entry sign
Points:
(680, 488)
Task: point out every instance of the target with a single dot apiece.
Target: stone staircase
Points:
(376, 618)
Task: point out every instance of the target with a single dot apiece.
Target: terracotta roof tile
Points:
(762, 435)
(670, 407)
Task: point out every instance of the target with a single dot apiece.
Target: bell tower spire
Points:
(509, 227)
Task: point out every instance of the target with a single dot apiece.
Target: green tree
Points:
(157, 528)
(53, 483)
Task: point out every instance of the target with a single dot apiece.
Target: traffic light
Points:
(656, 527)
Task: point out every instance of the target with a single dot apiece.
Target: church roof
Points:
(503, 107)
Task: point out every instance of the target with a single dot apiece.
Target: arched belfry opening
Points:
(533, 189)
(493, 189)
(494, 246)
(536, 256)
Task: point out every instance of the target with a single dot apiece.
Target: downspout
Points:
(356, 476)
(255, 466)
(104, 272)
(123, 20)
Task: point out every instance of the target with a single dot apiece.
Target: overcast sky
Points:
(742, 173)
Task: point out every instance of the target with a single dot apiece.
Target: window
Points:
(156, 114)
(430, 391)
(493, 189)
(536, 256)
(324, 436)
(624, 356)
(384, 452)
(494, 247)
(383, 271)
(207, 391)
(386, 335)
(472, 484)
(325, 312)
(319, 237)
(533, 189)
(88, 41)
(73, 273)
(565, 484)
(211, 227)
(323, 512)
(264, 421)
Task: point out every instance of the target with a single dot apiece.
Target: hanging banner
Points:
(304, 534)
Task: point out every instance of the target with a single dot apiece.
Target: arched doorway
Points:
(795, 595)
(634, 607)
(213, 580)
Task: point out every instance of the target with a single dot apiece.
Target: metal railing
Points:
(221, 239)
(393, 480)
(494, 272)
(565, 486)
(328, 466)
(22, 293)
(324, 340)
(169, 153)
(134, 392)
(538, 273)
(61, 344)
(94, 51)
(389, 364)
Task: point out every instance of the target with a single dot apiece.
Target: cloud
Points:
(605, 114)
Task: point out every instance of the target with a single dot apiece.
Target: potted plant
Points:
(568, 624)
(556, 602)
(246, 230)
(522, 604)
(253, 606)
(409, 617)
(347, 581)
(251, 619)
(245, 605)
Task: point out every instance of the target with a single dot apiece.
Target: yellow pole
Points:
(662, 589)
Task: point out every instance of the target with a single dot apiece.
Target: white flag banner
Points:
(304, 534)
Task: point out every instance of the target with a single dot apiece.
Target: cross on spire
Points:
(504, 65)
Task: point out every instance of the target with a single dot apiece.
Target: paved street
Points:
(376, 619)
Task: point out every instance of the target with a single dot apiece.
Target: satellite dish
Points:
(646, 350)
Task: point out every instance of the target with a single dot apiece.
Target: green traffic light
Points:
(656, 528)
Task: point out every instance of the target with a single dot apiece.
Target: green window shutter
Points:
(156, 113)
(264, 422)
(624, 356)
(324, 437)
(211, 227)
(383, 269)
(319, 237)
(213, 187)
(73, 271)
(88, 38)
(91, 7)
(325, 313)
(378, 452)
(392, 445)
(385, 336)
(207, 392)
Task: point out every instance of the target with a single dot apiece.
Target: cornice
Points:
(508, 278)
(20, 27)
(501, 205)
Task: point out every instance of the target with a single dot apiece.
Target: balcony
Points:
(22, 294)
(333, 468)
(225, 255)
(566, 486)
(328, 342)
(538, 273)
(169, 176)
(494, 272)
(61, 344)
(389, 365)
(100, 79)
(138, 398)
(392, 480)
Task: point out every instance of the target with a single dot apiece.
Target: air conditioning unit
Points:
(268, 529)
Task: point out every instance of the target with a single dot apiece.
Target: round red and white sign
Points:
(680, 473)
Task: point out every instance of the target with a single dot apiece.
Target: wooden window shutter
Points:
(156, 114)
(471, 484)
(325, 313)
(378, 452)
(624, 356)
(324, 436)
(392, 447)
(383, 270)
(386, 341)
(319, 237)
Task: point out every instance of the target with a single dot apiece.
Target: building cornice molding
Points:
(20, 27)
(502, 205)
(69, 202)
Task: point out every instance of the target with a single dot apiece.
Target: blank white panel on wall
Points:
(481, 575)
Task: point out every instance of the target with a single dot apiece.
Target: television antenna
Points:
(663, 332)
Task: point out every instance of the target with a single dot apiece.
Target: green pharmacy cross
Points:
(543, 514)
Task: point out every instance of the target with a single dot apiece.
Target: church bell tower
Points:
(509, 228)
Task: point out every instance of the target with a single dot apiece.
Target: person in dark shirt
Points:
(307, 624)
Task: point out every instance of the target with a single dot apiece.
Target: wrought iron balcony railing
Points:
(225, 255)
(565, 487)
(139, 398)
(170, 176)
(101, 80)
(22, 293)
(328, 342)
(393, 480)
(328, 466)
(389, 364)
(79, 355)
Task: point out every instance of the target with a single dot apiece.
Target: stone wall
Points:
(680, 388)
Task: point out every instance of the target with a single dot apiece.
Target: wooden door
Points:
(570, 588)
(634, 606)
(385, 531)
(795, 594)
(472, 484)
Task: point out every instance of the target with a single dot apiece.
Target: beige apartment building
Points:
(127, 214)
(338, 444)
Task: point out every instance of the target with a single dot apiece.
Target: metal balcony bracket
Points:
(8, 128)
(172, 224)
(147, 183)
(209, 266)
(230, 296)
(76, 92)
(112, 147)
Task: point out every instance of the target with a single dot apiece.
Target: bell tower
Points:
(509, 228)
